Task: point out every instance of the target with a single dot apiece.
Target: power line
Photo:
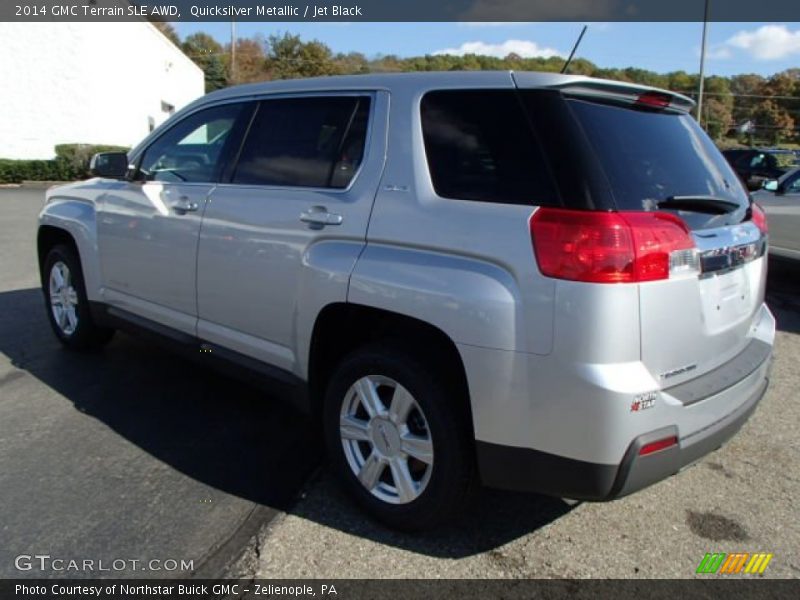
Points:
(767, 96)
(337, 58)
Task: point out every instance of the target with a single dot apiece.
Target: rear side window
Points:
(649, 156)
(480, 146)
(734, 157)
(305, 142)
(743, 160)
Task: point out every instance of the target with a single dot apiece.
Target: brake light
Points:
(609, 247)
(658, 445)
(759, 217)
(654, 99)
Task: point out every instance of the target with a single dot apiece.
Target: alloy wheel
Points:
(386, 439)
(63, 298)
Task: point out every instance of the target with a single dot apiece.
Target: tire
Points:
(414, 420)
(67, 304)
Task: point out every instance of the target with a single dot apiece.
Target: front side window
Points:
(305, 142)
(191, 150)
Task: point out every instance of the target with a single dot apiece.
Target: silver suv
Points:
(534, 281)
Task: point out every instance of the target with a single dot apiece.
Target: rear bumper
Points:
(525, 469)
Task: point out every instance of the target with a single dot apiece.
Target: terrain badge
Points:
(643, 402)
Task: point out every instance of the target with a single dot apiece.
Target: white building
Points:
(95, 83)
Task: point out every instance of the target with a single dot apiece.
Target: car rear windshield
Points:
(650, 157)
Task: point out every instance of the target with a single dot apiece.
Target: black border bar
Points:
(711, 587)
(399, 10)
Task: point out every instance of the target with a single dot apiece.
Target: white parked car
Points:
(780, 199)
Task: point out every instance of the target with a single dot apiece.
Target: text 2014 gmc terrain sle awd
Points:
(534, 281)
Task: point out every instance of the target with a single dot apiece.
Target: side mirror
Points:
(771, 185)
(109, 165)
(754, 183)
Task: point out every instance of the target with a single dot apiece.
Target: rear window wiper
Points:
(702, 204)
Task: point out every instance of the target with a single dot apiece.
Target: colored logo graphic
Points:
(738, 562)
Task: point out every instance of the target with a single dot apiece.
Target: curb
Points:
(40, 185)
(32, 185)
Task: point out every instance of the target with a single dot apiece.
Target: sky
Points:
(733, 48)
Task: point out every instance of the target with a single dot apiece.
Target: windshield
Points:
(788, 175)
(650, 158)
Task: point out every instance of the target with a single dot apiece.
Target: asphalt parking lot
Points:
(134, 453)
(130, 454)
(742, 498)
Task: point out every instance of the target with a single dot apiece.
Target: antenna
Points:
(574, 48)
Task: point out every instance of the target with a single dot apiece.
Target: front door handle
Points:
(318, 217)
(184, 205)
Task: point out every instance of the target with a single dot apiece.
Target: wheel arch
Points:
(342, 327)
(49, 237)
(74, 223)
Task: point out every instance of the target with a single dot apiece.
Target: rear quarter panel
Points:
(465, 267)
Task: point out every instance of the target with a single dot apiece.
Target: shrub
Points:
(76, 157)
(16, 171)
(71, 162)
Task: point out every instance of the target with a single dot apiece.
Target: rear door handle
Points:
(318, 217)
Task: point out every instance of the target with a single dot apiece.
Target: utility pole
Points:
(702, 65)
(233, 52)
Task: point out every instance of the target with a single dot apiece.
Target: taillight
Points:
(759, 217)
(654, 99)
(610, 247)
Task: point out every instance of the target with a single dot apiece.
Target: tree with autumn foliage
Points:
(772, 104)
(249, 66)
(773, 123)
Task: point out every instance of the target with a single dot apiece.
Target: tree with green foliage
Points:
(682, 82)
(729, 101)
(215, 73)
(289, 57)
(717, 115)
(207, 53)
(352, 62)
(168, 31)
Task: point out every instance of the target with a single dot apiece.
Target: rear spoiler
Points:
(614, 92)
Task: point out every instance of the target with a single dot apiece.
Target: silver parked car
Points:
(534, 281)
(780, 199)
